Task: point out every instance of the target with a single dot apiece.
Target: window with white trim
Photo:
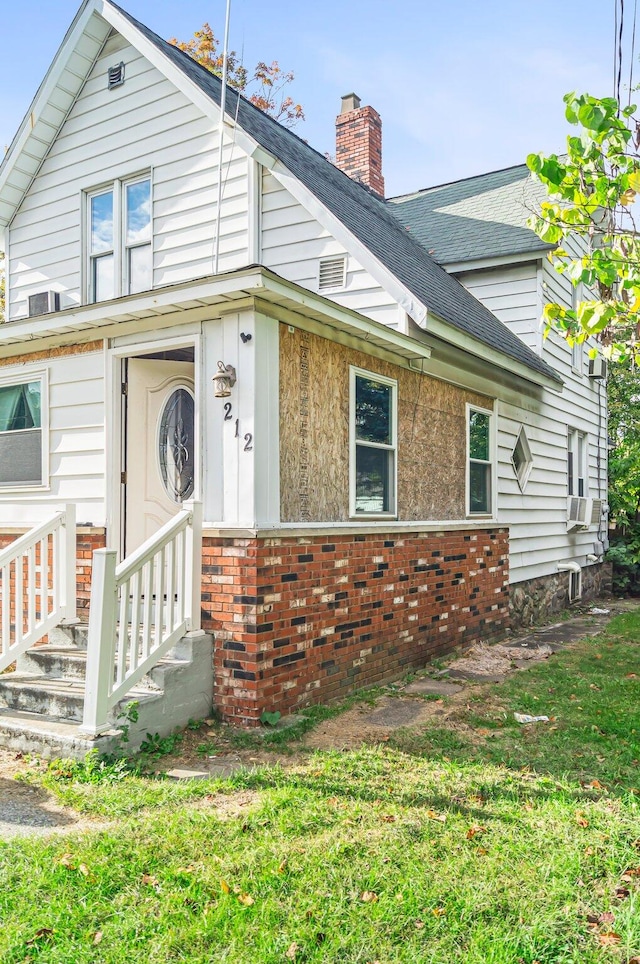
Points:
(119, 239)
(22, 439)
(373, 443)
(480, 461)
(577, 449)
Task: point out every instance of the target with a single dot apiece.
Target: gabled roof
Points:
(475, 218)
(368, 218)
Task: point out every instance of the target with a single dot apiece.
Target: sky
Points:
(462, 86)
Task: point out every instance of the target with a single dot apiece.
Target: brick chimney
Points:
(359, 143)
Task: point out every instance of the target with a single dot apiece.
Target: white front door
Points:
(160, 445)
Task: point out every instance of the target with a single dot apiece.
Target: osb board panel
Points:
(61, 352)
(314, 434)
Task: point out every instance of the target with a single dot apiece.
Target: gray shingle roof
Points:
(369, 218)
(478, 217)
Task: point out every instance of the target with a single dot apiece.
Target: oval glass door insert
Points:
(176, 445)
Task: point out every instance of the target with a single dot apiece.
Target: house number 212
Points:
(248, 438)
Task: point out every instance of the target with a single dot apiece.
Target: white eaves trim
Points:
(477, 264)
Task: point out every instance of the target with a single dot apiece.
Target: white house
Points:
(271, 413)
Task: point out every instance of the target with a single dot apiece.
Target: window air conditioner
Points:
(595, 510)
(577, 517)
(44, 303)
(598, 367)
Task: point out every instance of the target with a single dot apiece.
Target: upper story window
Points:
(480, 462)
(22, 440)
(576, 462)
(119, 236)
(373, 435)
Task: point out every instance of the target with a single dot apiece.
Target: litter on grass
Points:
(525, 718)
(599, 612)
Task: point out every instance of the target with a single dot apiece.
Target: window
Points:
(373, 433)
(21, 436)
(522, 459)
(576, 462)
(119, 236)
(480, 461)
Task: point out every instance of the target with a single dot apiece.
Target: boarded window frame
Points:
(12, 440)
(358, 444)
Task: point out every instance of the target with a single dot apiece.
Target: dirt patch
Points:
(230, 806)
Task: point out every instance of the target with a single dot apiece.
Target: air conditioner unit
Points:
(577, 517)
(598, 367)
(595, 510)
(44, 303)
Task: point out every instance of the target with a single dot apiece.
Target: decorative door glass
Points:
(176, 445)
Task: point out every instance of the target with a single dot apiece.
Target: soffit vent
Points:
(115, 76)
(332, 273)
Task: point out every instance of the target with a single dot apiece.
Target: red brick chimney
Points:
(359, 143)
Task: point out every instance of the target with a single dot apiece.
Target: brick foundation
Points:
(298, 621)
(87, 540)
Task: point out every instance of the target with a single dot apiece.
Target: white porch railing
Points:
(37, 584)
(139, 609)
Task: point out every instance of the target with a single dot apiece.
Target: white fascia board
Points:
(44, 92)
(448, 333)
(407, 301)
(505, 260)
(350, 320)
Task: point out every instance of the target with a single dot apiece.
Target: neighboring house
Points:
(363, 437)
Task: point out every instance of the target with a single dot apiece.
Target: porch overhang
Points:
(201, 300)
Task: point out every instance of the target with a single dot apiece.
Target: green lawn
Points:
(480, 842)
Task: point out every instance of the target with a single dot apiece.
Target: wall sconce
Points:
(223, 380)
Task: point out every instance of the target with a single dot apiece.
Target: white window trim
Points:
(120, 250)
(393, 384)
(523, 477)
(577, 434)
(492, 514)
(23, 378)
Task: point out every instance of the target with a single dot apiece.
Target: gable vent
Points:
(332, 273)
(115, 76)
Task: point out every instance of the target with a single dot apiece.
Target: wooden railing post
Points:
(101, 644)
(193, 563)
(68, 601)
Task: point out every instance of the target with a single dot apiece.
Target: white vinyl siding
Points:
(293, 243)
(146, 124)
(75, 446)
(511, 293)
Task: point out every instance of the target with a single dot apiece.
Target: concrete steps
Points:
(42, 701)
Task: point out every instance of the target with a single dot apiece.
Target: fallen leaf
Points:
(282, 866)
(224, 887)
(631, 676)
(609, 939)
(83, 869)
(291, 951)
(589, 851)
(474, 831)
(607, 918)
(438, 911)
(44, 934)
(389, 818)
(419, 925)
(482, 851)
(432, 815)
(97, 937)
(150, 880)
(246, 899)
(621, 893)
(630, 873)
(581, 820)
(368, 897)
(67, 861)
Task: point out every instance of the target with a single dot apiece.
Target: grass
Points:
(480, 842)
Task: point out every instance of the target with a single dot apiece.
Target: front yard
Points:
(468, 837)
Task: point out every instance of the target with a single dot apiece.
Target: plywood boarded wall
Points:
(314, 434)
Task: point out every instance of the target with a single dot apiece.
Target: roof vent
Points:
(332, 273)
(116, 76)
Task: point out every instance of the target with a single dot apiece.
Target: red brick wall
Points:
(359, 146)
(86, 543)
(304, 620)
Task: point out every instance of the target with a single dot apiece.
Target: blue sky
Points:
(463, 86)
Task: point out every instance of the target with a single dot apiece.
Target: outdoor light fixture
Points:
(224, 380)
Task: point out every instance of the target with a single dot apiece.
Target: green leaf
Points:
(592, 116)
(268, 718)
